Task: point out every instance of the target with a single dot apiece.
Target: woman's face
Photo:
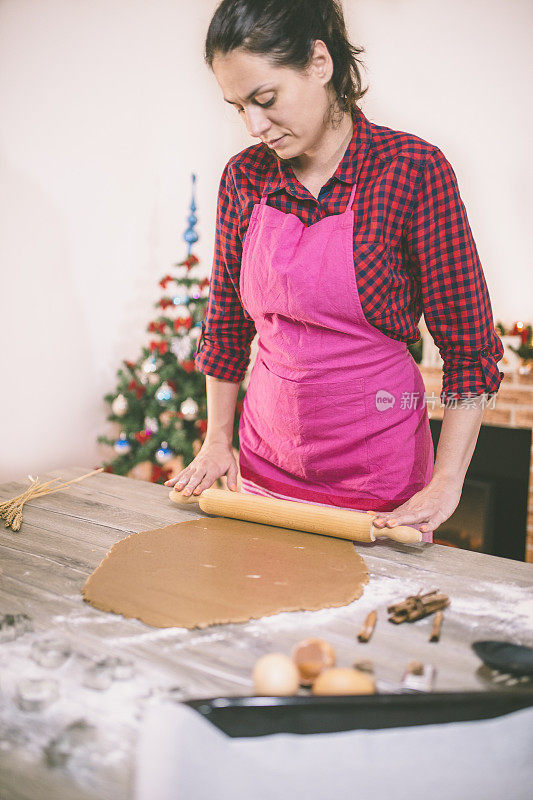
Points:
(281, 106)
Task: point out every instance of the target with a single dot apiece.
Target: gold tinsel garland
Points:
(11, 510)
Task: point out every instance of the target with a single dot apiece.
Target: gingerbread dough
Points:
(215, 570)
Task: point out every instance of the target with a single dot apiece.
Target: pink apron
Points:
(334, 412)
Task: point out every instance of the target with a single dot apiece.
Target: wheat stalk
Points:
(11, 510)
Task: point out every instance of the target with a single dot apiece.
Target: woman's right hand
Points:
(213, 460)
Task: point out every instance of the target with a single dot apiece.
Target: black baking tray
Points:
(260, 716)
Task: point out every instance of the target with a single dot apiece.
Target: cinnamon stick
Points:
(368, 627)
(437, 625)
(417, 606)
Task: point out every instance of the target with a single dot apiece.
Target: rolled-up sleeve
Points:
(455, 298)
(223, 349)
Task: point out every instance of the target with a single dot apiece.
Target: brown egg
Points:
(343, 680)
(312, 656)
(275, 674)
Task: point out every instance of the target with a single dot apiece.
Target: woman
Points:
(333, 235)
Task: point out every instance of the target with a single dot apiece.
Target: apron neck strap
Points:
(352, 197)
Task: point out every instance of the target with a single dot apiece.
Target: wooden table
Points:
(64, 537)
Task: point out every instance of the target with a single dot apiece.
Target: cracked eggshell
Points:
(312, 656)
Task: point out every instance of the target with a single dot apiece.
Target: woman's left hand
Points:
(427, 509)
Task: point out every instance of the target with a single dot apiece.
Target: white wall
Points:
(106, 108)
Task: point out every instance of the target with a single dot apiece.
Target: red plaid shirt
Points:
(408, 198)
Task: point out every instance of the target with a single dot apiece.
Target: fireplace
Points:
(492, 514)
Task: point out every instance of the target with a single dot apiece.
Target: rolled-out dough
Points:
(216, 570)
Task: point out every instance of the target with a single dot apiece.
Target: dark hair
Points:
(285, 30)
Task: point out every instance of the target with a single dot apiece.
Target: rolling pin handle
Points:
(399, 533)
(183, 499)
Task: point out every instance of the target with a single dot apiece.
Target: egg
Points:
(275, 674)
(312, 656)
(343, 680)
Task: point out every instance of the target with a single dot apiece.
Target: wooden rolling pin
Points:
(340, 522)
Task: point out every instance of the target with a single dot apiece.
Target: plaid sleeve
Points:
(455, 298)
(223, 349)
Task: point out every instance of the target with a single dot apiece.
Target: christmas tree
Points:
(160, 403)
